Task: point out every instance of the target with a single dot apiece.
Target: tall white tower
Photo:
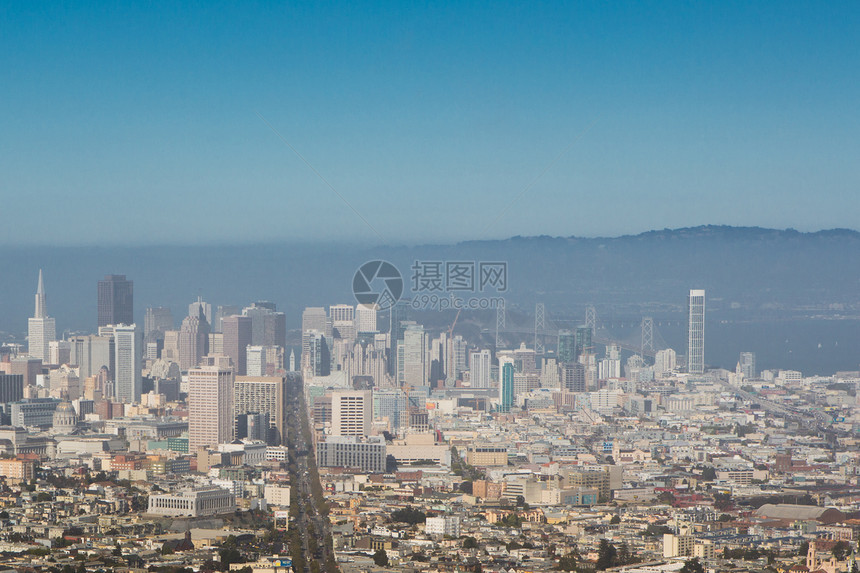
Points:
(210, 406)
(696, 332)
(365, 318)
(128, 352)
(41, 329)
(351, 413)
(415, 356)
(479, 368)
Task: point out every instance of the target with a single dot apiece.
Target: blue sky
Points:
(140, 123)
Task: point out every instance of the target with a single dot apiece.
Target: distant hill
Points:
(754, 270)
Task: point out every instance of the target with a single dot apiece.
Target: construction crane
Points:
(451, 330)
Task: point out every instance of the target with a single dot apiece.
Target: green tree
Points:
(380, 558)
(723, 501)
(654, 530)
(228, 556)
(692, 566)
(624, 555)
(607, 555)
(840, 550)
(409, 515)
(470, 543)
(709, 474)
(568, 562)
(616, 519)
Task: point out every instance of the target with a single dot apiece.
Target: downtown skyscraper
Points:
(506, 384)
(41, 329)
(128, 349)
(157, 320)
(746, 364)
(115, 300)
(480, 368)
(210, 406)
(352, 412)
(696, 332)
(237, 338)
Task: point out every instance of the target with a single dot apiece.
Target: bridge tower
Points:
(591, 317)
(647, 335)
(540, 325)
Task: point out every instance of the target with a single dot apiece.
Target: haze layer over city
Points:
(421, 288)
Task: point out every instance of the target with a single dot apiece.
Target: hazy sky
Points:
(141, 123)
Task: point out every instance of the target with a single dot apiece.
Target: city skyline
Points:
(817, 348)
(588, 429)
(475, 287)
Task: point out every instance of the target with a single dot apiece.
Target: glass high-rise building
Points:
(116, 300)
(157, 319)
(506, 384)
(566, 346)
(696, 332)
(396, 315)
(584, 335)
(747, 363)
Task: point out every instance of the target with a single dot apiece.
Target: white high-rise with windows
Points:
(41, 329)
(351, 413)
(262, 395)
(479, 368)
(416, 368)
(210, 406)
(256, 360)
(665, 361)
(343, 320)
(747, 365)
(315, 318)
(128, 352)
(365, 318)
(696, 332)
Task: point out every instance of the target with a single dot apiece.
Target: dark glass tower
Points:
(116, 300)
(583, 340)
(566, 346)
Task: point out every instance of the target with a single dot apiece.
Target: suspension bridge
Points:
(645, 341)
